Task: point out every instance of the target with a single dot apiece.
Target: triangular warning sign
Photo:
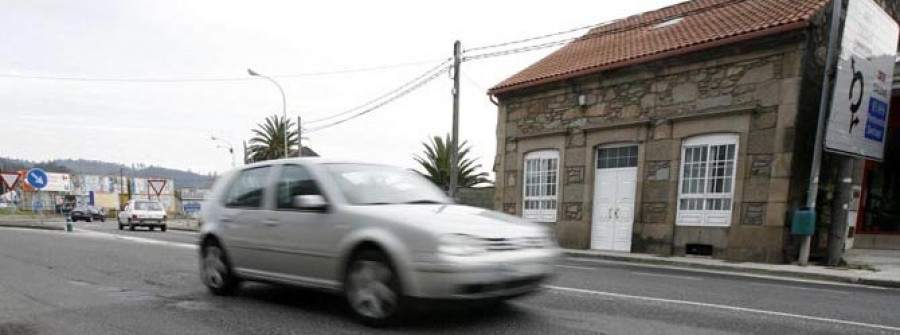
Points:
(157, 185)
(10, 179)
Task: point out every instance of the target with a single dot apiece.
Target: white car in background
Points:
(143, 213)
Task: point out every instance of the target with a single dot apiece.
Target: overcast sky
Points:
(170, 124)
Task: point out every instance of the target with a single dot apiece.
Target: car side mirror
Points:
(310, 202)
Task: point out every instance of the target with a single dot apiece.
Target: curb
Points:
(190, 229)
(25, 226)
(852, 279)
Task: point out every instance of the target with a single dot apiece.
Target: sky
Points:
(169, 124)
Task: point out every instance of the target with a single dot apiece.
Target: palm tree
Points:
(268, 140)
(437, 164)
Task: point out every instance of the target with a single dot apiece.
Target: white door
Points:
(614, 198)
(604, 203)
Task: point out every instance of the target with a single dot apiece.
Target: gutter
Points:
(658, 56)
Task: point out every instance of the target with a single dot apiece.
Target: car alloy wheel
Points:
(372, 289)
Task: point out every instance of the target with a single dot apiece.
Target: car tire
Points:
(102, 219)
(121, 226)
(130, 225)
(88, 219)
(163, 228)
(216, 272)
(152, 228)
(372, 289)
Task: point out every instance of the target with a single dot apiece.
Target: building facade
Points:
(680, 131)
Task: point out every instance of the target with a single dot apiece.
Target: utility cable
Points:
(212, 79)
(379, 98)
(399, 95)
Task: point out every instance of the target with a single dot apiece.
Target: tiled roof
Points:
(685, 27)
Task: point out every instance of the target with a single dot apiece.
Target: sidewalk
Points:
(867, 267)
(183, 224)
(49, 222)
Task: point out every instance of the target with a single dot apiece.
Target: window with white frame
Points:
(540, 188)
(706, 186)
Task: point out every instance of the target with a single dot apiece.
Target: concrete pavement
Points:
(99, 280)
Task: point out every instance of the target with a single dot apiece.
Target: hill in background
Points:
(182, 178)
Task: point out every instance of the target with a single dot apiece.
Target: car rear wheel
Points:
(372, 289)
(216, 271)
(163, 228)
(152, 228)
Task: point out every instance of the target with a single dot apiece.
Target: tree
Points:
(437, 164)
(268, 140)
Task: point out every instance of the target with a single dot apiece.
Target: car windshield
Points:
(147, 206)
(363, 184)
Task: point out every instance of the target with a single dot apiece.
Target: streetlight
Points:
(283, 106)
(229, 147)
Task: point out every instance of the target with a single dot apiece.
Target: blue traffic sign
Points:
(37, 178)
(191, 207)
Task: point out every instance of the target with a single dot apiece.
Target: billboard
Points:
(862, 90)
(56, 182)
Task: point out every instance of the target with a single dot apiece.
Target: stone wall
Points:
(750, 89)
(477, 197)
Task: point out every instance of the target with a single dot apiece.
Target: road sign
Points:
(37, 178)
(10, 179)
(191, 207)
(862, 89)
(157, 185)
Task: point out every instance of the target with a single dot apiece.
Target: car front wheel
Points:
(216, 271)
(372, 289)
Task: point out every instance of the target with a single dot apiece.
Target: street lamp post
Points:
(229, 147)
(283, 106)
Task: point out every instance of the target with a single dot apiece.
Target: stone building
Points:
(685, 130)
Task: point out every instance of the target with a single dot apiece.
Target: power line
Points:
(212, 79)
(587, 36)
(540, 37)
(401, 87)
(403, 93)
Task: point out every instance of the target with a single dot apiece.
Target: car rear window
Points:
(147, 206)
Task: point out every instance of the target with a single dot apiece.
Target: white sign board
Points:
(58, 182)
(857, 124)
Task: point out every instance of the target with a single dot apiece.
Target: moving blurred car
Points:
(87, 214)
(143, 213)
(380, 235)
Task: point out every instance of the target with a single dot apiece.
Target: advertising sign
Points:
(862, 90)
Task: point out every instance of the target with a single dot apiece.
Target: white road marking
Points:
(576, 267)
(649, 274)
(137, 239)
(723, 307)
(728, 273)
(800, 288)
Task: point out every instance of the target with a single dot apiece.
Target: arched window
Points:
(541, 186)
(706, 186)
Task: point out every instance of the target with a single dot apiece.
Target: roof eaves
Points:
(802, 23)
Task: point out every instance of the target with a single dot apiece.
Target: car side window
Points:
(295, 180)
(248, 188)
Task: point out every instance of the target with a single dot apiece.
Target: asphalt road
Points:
(99, 280)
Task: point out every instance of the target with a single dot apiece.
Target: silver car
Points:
(380, 235)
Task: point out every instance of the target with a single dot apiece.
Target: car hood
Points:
(453, 219)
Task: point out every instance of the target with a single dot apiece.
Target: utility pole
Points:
(813, 191)
(838, 233)
(454, 141)
(299, 137)
(245, 153)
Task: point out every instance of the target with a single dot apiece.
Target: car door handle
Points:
(226, 219)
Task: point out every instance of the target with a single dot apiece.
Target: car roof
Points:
(310, 161)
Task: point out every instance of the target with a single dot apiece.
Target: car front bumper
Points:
(502, 274)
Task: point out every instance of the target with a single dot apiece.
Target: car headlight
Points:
(460, 245)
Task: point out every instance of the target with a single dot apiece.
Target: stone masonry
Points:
(750, 89)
